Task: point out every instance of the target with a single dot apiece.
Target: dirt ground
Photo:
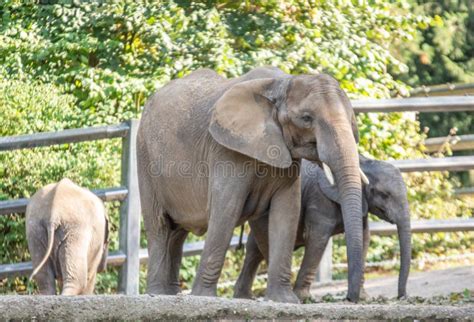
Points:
(423, 284)
(145, 307)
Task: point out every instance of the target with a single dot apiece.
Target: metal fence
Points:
(455, 142)
(130, 255)
(443, 90)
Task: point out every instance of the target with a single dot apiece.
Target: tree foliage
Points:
(440, 54)
(444, 52)
(112, 55)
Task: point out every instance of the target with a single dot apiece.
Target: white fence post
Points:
(130, 213)
(324, 274)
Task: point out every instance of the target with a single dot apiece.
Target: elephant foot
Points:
(69, 291)
(352, 297)
(303, 293)
(363, 294)
(282, 295)
(243, 295)
(163, 290)
(402, 296)
(200, 290)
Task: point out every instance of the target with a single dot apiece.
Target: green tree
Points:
(440, 54)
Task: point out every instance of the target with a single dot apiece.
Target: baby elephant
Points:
(67, 231)
(385, 196)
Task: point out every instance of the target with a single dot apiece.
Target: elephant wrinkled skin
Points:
(321, 218)
(67, 230)
(215, 152)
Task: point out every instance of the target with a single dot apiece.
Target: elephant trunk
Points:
(348, 180)
(343, 160)
(404, 236)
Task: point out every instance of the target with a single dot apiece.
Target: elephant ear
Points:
(332, 193)
(243, 121)
(351, 115)
(355, 128)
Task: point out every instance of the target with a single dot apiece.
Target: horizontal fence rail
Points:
(435, 164)
(464, 191)
(424, 226)
(116, 258)
(19, 205)
(456, 143)
(66, 136)
(444, 90)
(416, 104)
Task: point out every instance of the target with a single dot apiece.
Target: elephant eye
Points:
(384, 195)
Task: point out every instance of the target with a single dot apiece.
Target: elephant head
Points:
(278, 120)
(386, 197)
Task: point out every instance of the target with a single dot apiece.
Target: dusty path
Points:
(424, 284)
(144, 307)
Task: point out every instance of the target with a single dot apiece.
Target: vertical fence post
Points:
(130, 213)
(324, 274)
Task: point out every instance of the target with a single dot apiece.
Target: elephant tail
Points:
(50, 229)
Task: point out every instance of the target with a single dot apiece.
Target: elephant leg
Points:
(259, 228)
(73, 261)
(283, 224)
(165, 249)
(315, 244)
(89, 289)
(228, 195)
(93, 266)
(253, 258)
(366, 242)
(74, 275)
(45, 279)
(165, 240)
(175, 249)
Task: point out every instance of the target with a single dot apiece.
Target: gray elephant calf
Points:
(66, 228)
(321, 218)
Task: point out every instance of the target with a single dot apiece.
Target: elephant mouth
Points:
(306, 151)
(381, 213)
(377, 210)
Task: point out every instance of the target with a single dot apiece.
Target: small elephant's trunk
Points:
(404, 236)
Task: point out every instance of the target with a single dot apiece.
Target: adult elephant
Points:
(215, 152)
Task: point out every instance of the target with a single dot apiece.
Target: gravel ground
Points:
(144, 307)
(421, 284)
